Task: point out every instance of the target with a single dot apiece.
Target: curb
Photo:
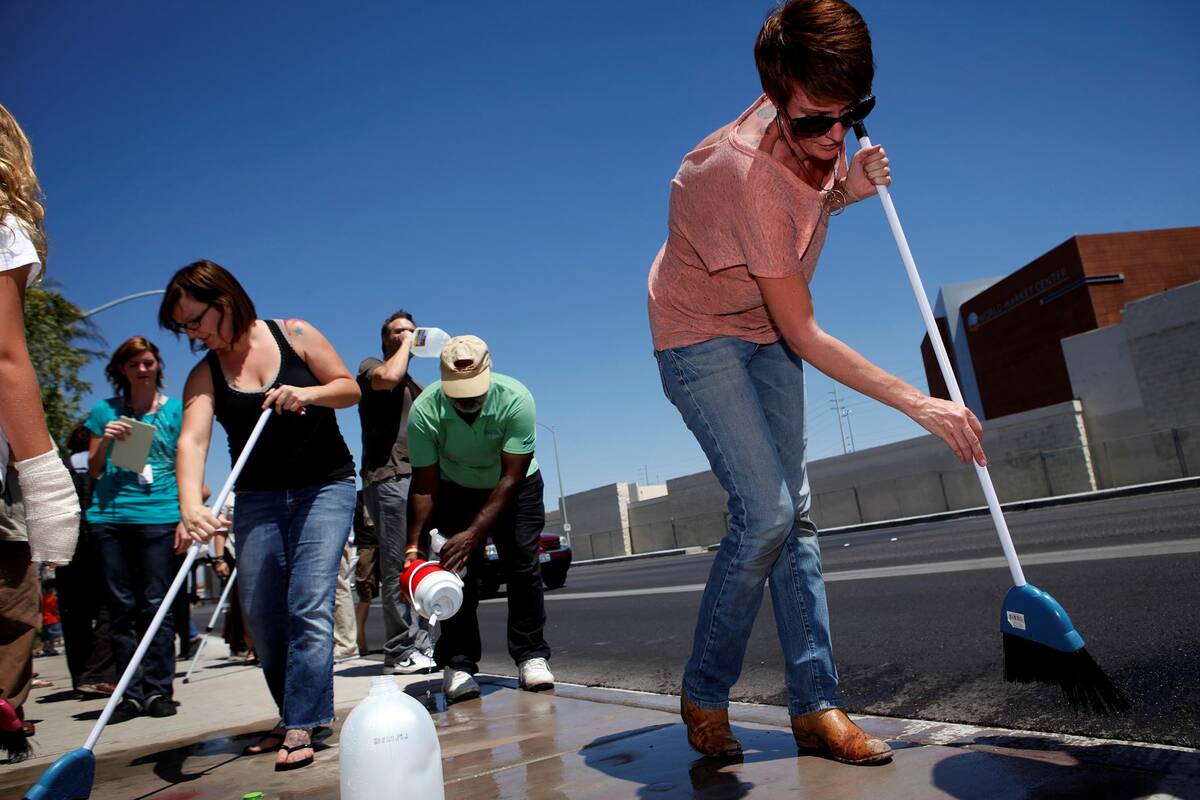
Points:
(943, 516)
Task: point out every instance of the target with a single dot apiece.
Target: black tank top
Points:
(294, 450)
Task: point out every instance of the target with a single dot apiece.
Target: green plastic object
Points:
(252, 796)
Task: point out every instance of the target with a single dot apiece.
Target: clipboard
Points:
(132, 452)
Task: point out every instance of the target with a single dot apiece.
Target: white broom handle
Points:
(939, 349)
(211, 623)
(180, 577)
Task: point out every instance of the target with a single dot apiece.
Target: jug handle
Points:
(411, 593)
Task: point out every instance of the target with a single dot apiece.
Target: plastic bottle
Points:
(389, 748)
(428, 342)
(436, 543)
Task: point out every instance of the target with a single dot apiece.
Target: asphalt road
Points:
(915, 619)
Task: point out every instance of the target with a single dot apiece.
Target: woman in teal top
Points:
(132, 519)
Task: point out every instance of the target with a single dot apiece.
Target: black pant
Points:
(516, 535)
(181, 607)
(138, 563)
(83, 605)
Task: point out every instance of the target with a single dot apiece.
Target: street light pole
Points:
(120, 300)
(562, 499)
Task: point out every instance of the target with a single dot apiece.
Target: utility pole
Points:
(562, 496)
(837, 407)
(850, 428)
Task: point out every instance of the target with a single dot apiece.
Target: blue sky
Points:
(503, 170)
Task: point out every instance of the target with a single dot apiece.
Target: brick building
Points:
(1015, 326)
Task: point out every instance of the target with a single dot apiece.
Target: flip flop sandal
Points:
(263, 744)
(290, 765)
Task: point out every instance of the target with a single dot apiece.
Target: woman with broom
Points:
(732, 321)
(295, 495)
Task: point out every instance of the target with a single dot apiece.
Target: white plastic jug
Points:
(428, 342)
(389, 748)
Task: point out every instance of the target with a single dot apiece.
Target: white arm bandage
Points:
(51, 507)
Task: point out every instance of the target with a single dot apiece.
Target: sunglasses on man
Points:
(820, 124)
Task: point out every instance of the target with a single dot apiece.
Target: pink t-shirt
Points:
(736, 213)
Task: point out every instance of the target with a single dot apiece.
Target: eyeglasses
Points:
(820, 124)
(193, 324)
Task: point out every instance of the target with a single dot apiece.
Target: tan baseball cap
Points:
(466, 367)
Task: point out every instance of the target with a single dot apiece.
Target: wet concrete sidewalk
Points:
(579, 742)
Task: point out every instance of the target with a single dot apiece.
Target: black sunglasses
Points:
(819, 125)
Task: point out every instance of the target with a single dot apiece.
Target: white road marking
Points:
(1177, 547)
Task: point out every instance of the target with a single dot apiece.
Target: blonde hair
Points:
(20, 194)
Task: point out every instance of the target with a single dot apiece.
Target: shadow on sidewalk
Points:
(1057, 769)
(58, 697)
(659, 759)
(208, 757)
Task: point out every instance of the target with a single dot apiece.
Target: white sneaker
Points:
(536, 675)
(415, 663)
(458, 685)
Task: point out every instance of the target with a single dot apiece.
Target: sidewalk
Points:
(576, 742)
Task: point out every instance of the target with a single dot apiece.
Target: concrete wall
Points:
(949, 301)
(1164, 342)
(1136, 419)
(1033, 454)
(1139, 381)
(598, 517)
(691, 513)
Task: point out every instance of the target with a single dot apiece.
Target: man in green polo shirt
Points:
(471, 438)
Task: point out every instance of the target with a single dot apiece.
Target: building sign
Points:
(1033, 290)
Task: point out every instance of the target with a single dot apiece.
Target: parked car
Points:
(554, 556)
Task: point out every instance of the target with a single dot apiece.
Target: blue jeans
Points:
(744, 403)
(289, 546)
(138, 565)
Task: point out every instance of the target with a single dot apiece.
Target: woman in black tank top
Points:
(295, 495)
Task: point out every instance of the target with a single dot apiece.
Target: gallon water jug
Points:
(428, 342)
(389, 748)
(433, 592)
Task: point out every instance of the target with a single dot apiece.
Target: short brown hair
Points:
(401, 314)
(823, 45)
(132, 347)
(208, 282)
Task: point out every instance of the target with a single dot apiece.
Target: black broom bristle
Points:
(16, 745)
(1083, 683)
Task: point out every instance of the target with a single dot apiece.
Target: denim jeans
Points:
(138, 563)
(289, 546)
(744, 403)
(405, 630)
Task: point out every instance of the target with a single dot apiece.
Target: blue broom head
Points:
(69, 778)
(1042, 646)
(1030, 613)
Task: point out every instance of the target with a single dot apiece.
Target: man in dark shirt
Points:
(387, 394)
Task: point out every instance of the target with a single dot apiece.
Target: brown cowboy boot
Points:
(831, 733)
(708, 729)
